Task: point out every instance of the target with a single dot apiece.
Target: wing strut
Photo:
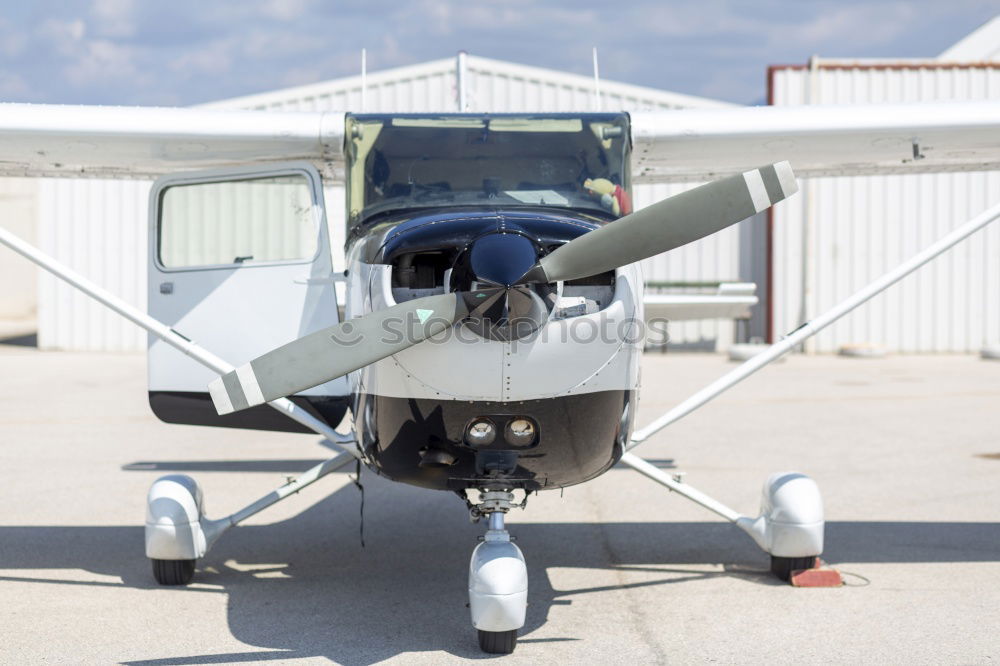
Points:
(813, 327)
(165, 333)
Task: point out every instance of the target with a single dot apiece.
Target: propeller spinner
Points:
(495, 264)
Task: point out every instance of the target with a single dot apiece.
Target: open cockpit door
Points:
(239, 263)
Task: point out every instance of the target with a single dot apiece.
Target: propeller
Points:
(667, 225)
(338, 350)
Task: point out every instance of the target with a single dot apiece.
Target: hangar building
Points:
(99, 226)
(840, 233)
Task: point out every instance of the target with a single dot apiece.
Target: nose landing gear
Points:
(498, 579)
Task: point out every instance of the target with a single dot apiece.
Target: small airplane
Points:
(491, 334)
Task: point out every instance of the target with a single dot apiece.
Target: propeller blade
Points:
(335, 351)
(668, 224)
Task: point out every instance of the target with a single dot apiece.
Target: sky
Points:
(182, 52)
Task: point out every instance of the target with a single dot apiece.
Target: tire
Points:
(498, 642)
(782, 567)
(173, 572)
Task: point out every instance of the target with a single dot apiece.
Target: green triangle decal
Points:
(422, 315)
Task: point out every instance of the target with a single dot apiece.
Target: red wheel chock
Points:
(820, 575)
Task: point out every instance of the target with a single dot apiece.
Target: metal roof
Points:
(493, 85)
(981, 44)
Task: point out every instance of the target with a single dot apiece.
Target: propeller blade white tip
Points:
(220, 397)
(786, 179)
(758, 193)
(249, 384)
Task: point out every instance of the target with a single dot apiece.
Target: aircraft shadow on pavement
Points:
(405, 591)
(25, 340)
(291, 466)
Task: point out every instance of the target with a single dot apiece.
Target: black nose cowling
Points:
(492, 265)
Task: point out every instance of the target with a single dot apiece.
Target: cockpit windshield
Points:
(413, 161)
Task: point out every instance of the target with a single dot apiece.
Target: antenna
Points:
(597, 84)
(460, 78)
(364, 81)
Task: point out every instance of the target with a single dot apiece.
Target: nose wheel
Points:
(173, 572)
(498, 579)
(498, 642)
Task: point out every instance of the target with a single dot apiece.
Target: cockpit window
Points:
(409, 161)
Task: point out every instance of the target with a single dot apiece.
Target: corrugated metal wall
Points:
(844, 232)
(18, 280)
(98, 227)
(89, 224)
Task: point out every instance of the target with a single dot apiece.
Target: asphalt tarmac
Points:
(906, 451)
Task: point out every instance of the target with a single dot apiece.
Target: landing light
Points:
(480, 433)
(520, 432)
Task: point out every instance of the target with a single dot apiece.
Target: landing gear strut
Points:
(498, 579)
(790, 525)
(177, 531)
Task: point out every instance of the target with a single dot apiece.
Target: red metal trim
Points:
(889, 65)
(769, 236)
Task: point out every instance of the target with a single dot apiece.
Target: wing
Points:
(669, 146)
(703, 144)
(57, 140)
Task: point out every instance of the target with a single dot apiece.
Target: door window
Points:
(258, 220)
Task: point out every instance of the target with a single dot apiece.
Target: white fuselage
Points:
(577, 351)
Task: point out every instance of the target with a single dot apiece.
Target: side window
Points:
(237, 221)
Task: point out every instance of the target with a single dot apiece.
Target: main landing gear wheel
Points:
(790, 523)
(498, 642)
(175, 538)
(173, 572)
(782, 567)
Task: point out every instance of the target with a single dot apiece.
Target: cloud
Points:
(114, 18)
(285, 10)
(215, 58)
(99, 61)
(855, 28)
(127, 52)
(13, 86)
(62, 35)
(13, 41)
